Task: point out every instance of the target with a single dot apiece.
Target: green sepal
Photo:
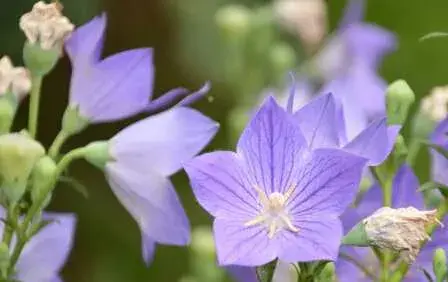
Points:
(72, 121)
(265, 273)
(327, 274)
(40, 61)
(439, 149)
(43, 174)
(399, 97)
(8, 108)
(357, 236)
(97, 153)
(430, 185)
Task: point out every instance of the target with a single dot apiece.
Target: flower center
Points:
(274, 214)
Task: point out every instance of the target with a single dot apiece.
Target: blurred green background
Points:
(188, 52)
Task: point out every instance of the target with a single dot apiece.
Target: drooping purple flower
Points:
(404, 194)
(323, 126)
(46, 253)
(138, 162)
(273, 197)
(439, 164)
(118, 86)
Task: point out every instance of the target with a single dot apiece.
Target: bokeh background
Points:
(189, 50)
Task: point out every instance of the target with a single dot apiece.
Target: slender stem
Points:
(53, 152)
(33, 114)
(11, 223)
(414, 148)
(37, 205)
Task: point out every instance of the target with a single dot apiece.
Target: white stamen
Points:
(274, 214)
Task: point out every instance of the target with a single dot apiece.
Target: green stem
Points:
(37, 205)
(414, 148)
(11, 223)
(53, 152)
(33, 114)
(265, 273)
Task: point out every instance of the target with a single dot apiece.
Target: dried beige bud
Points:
(13, 79)
(306, 18)
(402, 229)
(435, 105)
(46, 26)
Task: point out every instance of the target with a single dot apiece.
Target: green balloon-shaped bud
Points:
(439, 265)
(18, 156)
(399, 97)
(38, 60)
(43, 176)
(233, 20)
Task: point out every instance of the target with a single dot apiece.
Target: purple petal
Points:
(347, 271)
(318, 121)
(369, 43)
(404, 189)
(327, 183)
(148, 248)
(221, 186)
(152, 202)
(313, 241)
(370, 202)
(354, 13)
(374, 143)
(240, 245)
(85, 45)
(165, 141)
(272, 147)
(118, 87)
(439, 163)
(46, 253)
(243, 273)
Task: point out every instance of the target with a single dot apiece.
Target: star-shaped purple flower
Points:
(274, 197)
(46, 253)
(138, 162)
(404, 194)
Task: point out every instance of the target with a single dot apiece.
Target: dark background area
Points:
(182, 32)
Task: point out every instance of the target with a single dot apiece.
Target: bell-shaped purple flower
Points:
(323, 125)
(273, 197)
(138, 162)
(404, 194)
(46, 253)
(107, 89)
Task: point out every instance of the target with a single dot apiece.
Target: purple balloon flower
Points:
(46, 253)
(404, 194)
(439, 169)
(322, 124)
(273, 197)
(142, 157)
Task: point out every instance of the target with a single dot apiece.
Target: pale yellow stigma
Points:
(274, 214)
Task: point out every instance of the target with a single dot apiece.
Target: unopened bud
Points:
(305, 18)
(43, 175)
(402, 229)
(15, 80)
(440, 265)
(233, 20)
(399, 97)
(18, 156)
(202, 242)
(46, 30)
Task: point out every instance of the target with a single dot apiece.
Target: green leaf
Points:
(357, 236)
(75, 184)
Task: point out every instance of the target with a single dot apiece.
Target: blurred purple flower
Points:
(349, 64)
(118, 86)
(275, 198)
(46, 253)
(142, 158)
(322, 124)
(439, 164)
(404, 194)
